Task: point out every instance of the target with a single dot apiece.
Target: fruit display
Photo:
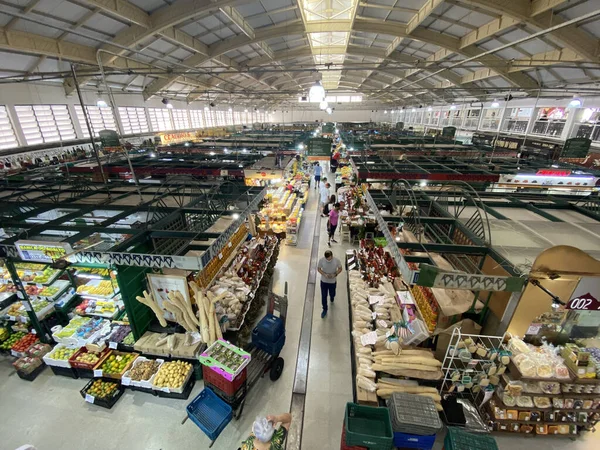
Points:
(206, 276)
(62, 353)
(16, 309)
(105, 308)
(427, 305)
(32, 290)
(4, 334)
(8, 288)
(103, 288)
(88, 358)
(74, 324)
(102, 389)
(129, 339)
(119, 333)
(27, 364)
(48, 291)
(86, 271)
(45, 276)
(172, 375)
(117, 363)
(144, 370)
(24, 343)
(12, 340)
(38, 350)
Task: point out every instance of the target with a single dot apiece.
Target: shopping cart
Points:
(212, 409)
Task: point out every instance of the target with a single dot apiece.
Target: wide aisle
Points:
(329, 371)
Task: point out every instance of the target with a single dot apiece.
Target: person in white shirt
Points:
(324, 197)
(329, 267)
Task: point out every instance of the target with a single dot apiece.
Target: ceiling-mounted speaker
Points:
(304, 98)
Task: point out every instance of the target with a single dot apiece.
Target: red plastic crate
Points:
(343, 445)
(228, 387)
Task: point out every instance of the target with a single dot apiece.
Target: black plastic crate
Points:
(184, 395)
(104, 403)
(84, 373)
(64, 371)
(33, 374)
(144, 390)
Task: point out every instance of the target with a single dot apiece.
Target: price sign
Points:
(376, 299)
(382, 323)
(98, 373)
(369, 338)
(220, 255)
(125, 381)
(586, 302)
(12, 318)
(112, 345)
(89, 398)
(533, 329)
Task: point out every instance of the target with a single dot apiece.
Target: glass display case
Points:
(550, 122)
(516, 120)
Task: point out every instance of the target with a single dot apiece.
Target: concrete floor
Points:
(50, 413)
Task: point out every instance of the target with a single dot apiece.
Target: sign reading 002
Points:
(586, 302)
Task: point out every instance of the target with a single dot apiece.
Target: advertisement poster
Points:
(161, 285)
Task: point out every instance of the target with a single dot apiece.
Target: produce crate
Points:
(33, 374)
(62, 363)
(367, 426)
(269, 328)
(145, 385)
(272, 348)
(344, 446)
(234, 400)
(115, 376)
(84, 366)
(223, 384)
(458, 439)
(413, 414)
(405, 440)
(104, 403)
(180, 390)
(64, 371)
(186, 390)
(209, 413)
(227, 372)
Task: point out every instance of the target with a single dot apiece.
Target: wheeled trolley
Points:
(223, 399)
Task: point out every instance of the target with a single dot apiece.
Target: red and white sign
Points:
(554, 172)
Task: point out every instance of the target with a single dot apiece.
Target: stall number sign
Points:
(41, 251)
(586, 302)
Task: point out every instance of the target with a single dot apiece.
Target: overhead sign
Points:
(42, 251)
(576, 148)
(319, 147)
(554, 172)
(173, 138)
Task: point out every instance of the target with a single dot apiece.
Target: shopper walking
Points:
(324, 197)
(329, 267)
(332, 223)
(318, 172)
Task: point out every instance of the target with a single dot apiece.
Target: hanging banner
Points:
(432, 276)
(42, 251)
(174, 138)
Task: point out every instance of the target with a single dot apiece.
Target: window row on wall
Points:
(42, 124)
(550, 122)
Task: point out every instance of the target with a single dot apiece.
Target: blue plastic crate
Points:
(272, 348)
(210, 413)
(270, 328)
(405, 440)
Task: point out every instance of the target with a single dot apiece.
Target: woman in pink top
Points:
(333, 222)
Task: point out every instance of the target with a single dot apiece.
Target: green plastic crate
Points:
(367, 426)
(458, 439)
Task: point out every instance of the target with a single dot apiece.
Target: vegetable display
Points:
(143, 370)
(24, 343)
(172, 375)
(12, 340)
